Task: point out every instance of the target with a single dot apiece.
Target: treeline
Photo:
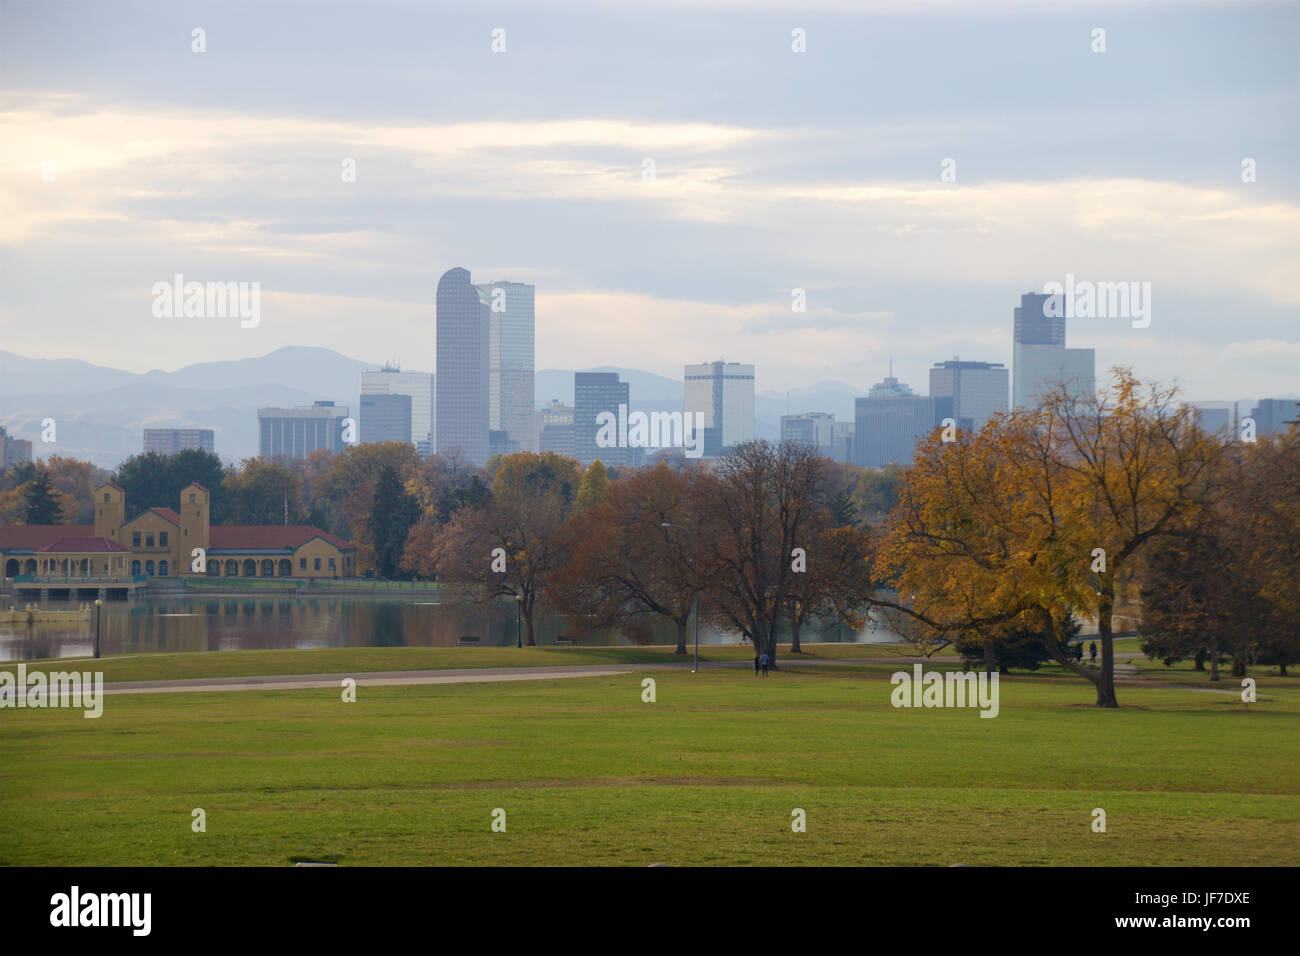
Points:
(1118, 510)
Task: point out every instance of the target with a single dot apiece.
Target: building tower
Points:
(461, 379)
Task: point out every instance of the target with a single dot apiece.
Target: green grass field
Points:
(708, 774)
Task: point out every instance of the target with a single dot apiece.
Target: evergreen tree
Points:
(42, 505)
(392, 513)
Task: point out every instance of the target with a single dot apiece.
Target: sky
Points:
(126, 157)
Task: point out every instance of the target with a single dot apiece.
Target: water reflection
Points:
(185, 623)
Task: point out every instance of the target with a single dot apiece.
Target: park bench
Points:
(467, 642)
(562, 641)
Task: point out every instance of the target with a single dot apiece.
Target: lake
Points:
(213, 623)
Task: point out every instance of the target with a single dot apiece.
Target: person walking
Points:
(1092, 651)
(755, 665)
(764, 661)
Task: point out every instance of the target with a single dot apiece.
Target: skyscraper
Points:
(594, 393)
(297, 432)
(391, 380)
(169, 441)
(510, 366)
(1272, 414)
(385, 418)
(1040, 360)
(891, 420)
(809, 428)
(978, 389)
(463, 343)
(724, 393)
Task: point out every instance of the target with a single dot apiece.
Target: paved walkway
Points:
(472, 675)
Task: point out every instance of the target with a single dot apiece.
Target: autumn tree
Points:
(759, 502)
(636, 553)
(510, 546)
(593, 487)
(1044, 512)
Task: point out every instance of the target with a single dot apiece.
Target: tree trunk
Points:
(771, 646)
(681, 634)
(1214, 661)
(528, 627)
(1200, 660)
(990, 658)
(795, 624)
(1105, 618)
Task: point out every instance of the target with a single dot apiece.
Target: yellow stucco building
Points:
(163, 542)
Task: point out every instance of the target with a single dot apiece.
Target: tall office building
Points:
(297, 432)
(724, 393)
(809, 428)
(1220, 417)
(978, 389)
(891, 420)
(554, 427)
(385, 418)
(13, 451)
(391, 380)
(1033, 326)
(462, 406)
(511, 373)
(594, 393)
(1040, 360)
(169, 441)
(1272, 414)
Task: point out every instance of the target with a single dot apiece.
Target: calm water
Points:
(200, 623)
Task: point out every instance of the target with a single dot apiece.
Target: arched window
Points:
(268, 568)
(214, 569)
(250, 568)
(286, 568)
(31, 565)
(232, 568)
(162, 569)
(135, 567)
(11, 568)
(148, 568)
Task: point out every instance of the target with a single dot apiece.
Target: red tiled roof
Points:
(33, 537)
(170, 515)
(87, 545)
(114, 485)
(195, 484)
(265, 536)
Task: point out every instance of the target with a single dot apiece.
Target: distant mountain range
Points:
(100, 413)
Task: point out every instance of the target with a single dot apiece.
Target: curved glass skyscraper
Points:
(463, 343)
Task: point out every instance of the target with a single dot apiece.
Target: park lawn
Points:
(708, 774)
(357, 660)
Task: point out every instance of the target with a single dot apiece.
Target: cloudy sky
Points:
(773, 170)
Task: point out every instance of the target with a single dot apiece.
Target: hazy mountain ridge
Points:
(100, 412)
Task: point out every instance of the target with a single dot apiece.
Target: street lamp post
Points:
(519, 621)
(98, 604)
